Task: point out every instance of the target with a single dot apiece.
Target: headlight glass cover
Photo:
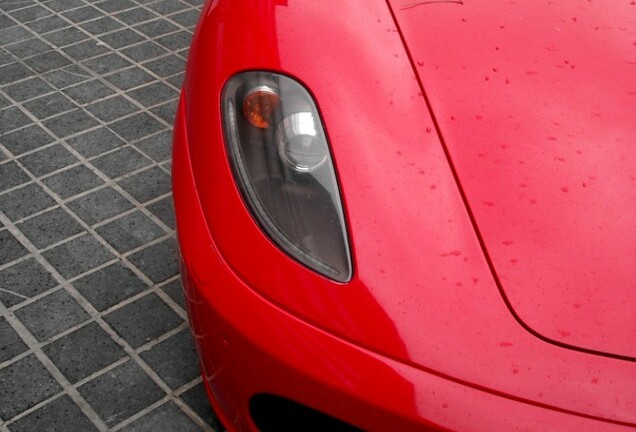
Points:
(281, 161)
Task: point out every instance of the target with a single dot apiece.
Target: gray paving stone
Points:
(47, 160)
(11, 176)
(10, 73)
(167, 417)
(10, 248)
(47, 62)
(5, 57)
(24, 384)
(197, 399)
(158, 147)
(137, 127)
(67, 76)
(166, 66)
(135, 16)
(143, 320)
(30, 13)
(127, 79)
(156, 28)
(121, 38)
(101, 25)
(28, 48)
(65, 37)
(4, 102)
(194, 3)
(95, 142)
(10, 343)
(26, 139)
(130, 232)
(187, 18)
(63, 5)
(51, 315)
(60, 415)
(49, 105)
(85, 49)
(115, 5)
(108, 63)
(175, 291)
(25, 201)
(153, 94)
(164, 210)
(165, 7)
(77, 256)
(47, 24)
(175, 41)
(145, 51)
(70, 123)
(111, 109)
(9, 6)
(60, 62)
(24, 280)
(176, 80)
(159, 261)
(13, 35)
(73, 181)
(12, 118)
(88, 92)
(134, 389)
(166, 112)
(6, 22)
(121, 162)
(28, 89)
(183, 53)
(83, 352)
(82, 14)
(174, 359)
(147, 185)
(99, 205)
(109, 286)
(49, 227)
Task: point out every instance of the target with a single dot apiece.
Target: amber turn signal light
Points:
(259, 104)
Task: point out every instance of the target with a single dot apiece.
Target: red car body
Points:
(486, 165)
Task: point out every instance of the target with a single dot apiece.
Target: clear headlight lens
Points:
(282, 164)
(299, 143)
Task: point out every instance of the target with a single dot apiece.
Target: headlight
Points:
(282, 164)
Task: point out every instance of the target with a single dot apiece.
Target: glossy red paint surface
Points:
(536, 102)
(248, 345)
(422, 299)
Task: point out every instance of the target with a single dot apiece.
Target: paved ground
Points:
(93, 334)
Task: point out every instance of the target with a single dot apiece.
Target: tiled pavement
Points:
(93, 332)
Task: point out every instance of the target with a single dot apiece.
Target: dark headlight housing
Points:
(281, 161)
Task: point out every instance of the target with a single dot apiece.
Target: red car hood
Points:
(536, 106)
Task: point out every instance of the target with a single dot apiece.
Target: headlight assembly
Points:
(282, 164)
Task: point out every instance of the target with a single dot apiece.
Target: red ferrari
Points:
(412, 215)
